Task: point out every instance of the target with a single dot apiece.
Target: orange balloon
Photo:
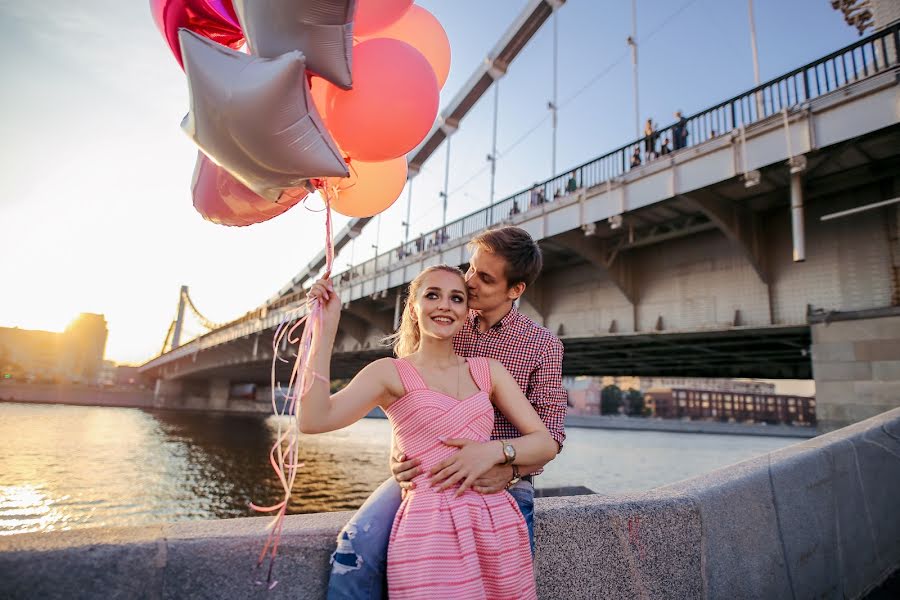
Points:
(319, 88)
(421, 30)
(371, 187)
(392, 105)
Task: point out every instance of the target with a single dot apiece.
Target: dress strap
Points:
(480, 368)
(409, 375)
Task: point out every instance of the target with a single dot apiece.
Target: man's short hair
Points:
(513, 244)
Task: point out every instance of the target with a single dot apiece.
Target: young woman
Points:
(447, 540)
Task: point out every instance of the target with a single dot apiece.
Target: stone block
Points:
(88, 564)
(878, 457)
(835, 416)
(834, 351)
(833, 392)
(879, 328)
(743, 555)
(888, 370)
(878, 392)
(842, 371)
(204, 552)
(817, 495)
(878, 350)
(618, 547)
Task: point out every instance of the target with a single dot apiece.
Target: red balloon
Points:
(214, 19)
(421, 30)
(371, 187)
(372, 15)
(392, 105)
(224, 200)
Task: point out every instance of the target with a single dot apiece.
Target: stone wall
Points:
(856, 365)
(818, 519)
(75, 394)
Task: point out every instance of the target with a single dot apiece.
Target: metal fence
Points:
(868, 56)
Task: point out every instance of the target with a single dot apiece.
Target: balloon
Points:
(222, 199)
(372, 15)
(318, 87)
(213, 19)
(321, 29)
(421, 30)
(371, 187)
(392, 105)
(255, 117)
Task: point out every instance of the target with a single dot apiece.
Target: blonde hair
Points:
(406, 339)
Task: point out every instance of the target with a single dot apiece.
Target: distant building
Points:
(730, 406)
(742, 386)
(112, 374)
(74, 355)
(584, 394)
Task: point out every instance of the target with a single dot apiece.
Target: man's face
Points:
(486, 281)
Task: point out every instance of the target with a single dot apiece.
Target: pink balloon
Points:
(421, 30)
(222, 199)
(372, 15)
(392, 105)
(214, 19)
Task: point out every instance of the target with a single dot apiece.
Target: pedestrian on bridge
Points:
(503, 263)
(679, 131)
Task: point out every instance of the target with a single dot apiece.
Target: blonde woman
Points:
(447, 540)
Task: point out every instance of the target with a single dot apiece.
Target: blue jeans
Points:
(359, 565)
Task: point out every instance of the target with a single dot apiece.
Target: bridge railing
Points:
(868, 56)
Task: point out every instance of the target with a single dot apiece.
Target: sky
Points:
(95, 208)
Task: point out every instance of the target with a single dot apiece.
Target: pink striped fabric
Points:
(475, 546)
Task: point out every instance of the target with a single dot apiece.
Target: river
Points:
(68, 467)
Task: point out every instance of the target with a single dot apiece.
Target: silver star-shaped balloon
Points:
(255, 117)
(321, 29)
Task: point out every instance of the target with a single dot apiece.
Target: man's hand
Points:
(463, 468)
(494, 480)
(404, 470)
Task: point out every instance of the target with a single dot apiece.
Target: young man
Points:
(504, 263)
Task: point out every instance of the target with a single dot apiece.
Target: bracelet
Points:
(515, 477)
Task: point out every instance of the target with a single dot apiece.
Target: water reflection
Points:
(64, 467)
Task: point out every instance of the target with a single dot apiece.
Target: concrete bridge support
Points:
(219, 393)
(856, 365)
(168, 392)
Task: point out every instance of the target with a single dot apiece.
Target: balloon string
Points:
(284, 454)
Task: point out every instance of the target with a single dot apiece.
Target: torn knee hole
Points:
(344, 558)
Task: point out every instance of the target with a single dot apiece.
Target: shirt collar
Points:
(507, 320)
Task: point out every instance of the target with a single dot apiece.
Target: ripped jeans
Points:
(359, 565)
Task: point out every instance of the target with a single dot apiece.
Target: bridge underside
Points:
(774, 352)
(778, 352)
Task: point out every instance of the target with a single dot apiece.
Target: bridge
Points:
(768, 247)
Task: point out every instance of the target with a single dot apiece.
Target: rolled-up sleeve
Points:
(546, 392)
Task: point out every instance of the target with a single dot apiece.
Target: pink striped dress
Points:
(474, 546)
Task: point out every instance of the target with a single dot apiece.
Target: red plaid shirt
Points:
(533, 356)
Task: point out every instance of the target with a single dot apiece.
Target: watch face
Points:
(509, 451)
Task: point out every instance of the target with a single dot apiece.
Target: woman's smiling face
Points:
(441, 304)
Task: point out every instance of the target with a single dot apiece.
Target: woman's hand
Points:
(322, 292)
(473, 460)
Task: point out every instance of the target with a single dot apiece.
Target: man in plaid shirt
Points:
(504, 263)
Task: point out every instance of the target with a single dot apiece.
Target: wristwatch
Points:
(509, 452)
(515, 478)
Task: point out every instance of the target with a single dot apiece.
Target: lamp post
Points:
(632, 42)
